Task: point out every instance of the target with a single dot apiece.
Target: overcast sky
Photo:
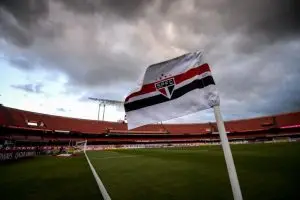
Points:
(54, 54)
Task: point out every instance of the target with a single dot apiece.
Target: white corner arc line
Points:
(102, 189)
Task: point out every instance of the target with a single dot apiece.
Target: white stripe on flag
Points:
(191, 102)
(174, 66)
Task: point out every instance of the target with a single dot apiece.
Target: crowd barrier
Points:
(11, 155)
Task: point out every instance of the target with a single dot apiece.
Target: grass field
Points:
(266, 171)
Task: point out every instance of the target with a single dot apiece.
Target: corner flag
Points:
(172, 89)
(175, 88)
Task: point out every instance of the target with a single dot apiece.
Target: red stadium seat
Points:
(37, 121)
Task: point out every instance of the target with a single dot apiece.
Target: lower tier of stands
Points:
(38, 137)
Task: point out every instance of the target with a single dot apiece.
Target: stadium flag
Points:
(172, 89)
(175, 88)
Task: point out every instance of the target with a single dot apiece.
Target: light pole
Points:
(103, 112)
(105, 102)
(99, 111)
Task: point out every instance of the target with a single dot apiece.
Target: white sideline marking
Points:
(102, 189)
(114, 157)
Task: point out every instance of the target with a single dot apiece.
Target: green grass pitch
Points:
(266, 171)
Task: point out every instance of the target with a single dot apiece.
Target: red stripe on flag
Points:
(191, 73)
(178, 79)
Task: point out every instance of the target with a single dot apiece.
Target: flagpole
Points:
(237, 194)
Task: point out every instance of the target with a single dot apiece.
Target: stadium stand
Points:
(22, 126)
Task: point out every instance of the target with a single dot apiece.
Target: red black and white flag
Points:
(172, 89)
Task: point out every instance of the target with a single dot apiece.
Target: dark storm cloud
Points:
(252, 46)
(27, 12)
(273, 18)
(18, 17)
(260, 22)
(126, 9)
(30, 88)
(264, 21)
(257, 18)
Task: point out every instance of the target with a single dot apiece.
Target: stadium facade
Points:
(24, 128)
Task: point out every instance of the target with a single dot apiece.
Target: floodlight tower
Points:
(105, 102)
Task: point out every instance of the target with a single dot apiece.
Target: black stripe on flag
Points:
(150, 101)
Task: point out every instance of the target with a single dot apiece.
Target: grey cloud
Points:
(260, 22)
(61, 110)
(265, 22)
(107, 68)
(21, 63)
(265, 83)
(27, 12)
(126, 9)
(17, 61)
(18, 18)
(103, 46)
(271, 18)
(112, 93)
(30, 88)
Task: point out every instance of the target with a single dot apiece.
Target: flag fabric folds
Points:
(172, 89)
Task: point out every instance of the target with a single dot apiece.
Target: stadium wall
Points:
(30, 126)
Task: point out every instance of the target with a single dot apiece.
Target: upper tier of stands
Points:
(11, 117)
